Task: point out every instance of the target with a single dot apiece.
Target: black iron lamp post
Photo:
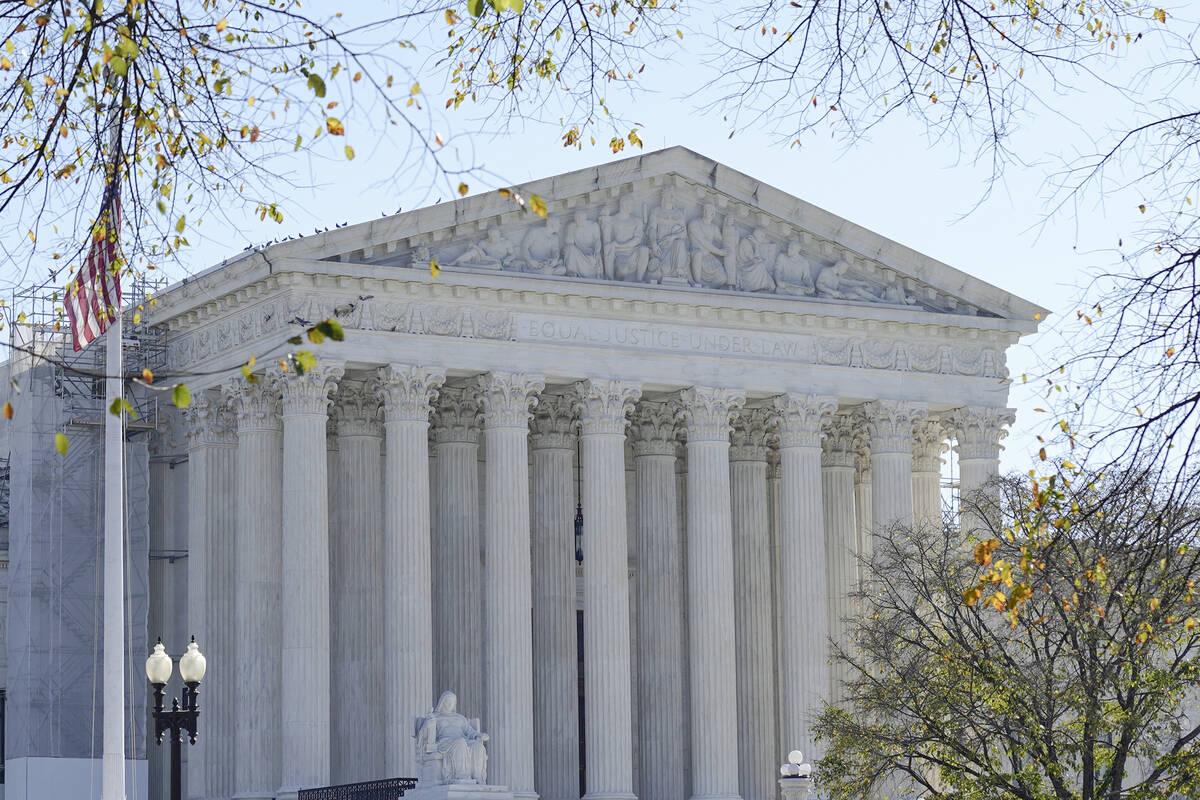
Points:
(177, 720)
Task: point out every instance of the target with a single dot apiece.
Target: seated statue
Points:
(450, 747)
(753, 264)
(793, 272)
(542, 249)
(581, 247)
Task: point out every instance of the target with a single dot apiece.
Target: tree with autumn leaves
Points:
(1051, 655)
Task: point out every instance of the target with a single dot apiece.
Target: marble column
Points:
(978, 432)
(929, 436)
(660, 608)
(754, 611)
(841, 534)
(555, 669)
(457, 566)
(356, 590)
(505, 399)
(212, 521)
(406, 393)
(862, 500)
(714, 722)
(603, 407)
(804, 682)
(304, 723)
(258, 575)
(889, 424)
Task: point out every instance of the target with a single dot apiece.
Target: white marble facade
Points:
(773, 380)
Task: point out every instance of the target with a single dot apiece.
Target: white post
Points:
(112, 767)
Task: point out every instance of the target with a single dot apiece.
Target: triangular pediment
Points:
(672, 219)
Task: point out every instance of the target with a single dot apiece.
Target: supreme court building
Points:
(731, 386)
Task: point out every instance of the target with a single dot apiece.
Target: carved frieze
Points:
(679, 237)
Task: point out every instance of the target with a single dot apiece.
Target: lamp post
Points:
(177, 720)
(795, 782)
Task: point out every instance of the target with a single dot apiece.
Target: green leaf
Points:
(316, 335)
(333, 329)
(182, 221)
(181, 396)
(304, 361)
(475, 7)
(61, 443)
(317, 84)
(122, 405)
(295, 340)
(517, 5)
(119, 66)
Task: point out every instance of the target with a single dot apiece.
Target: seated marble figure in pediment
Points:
(671, 243)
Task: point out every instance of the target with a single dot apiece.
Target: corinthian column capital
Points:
(707, 412)
(210, 420)
(890, 424)
(309, 393)
(456, 416)
(604, 405)
(929, 442)
(255, 403)
(653, 428)
(838, 445)
(800, 417)
(507, 398)
(552, 423)
(748, 442)
(407, 392)
(979, 430)
(357, 409)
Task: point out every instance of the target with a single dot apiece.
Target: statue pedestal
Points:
(458, 791)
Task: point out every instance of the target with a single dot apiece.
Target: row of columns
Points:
(452, 611)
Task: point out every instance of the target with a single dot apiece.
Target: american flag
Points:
(94, 297)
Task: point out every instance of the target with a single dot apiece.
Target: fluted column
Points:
(714, 722)
(212, 521)
(603, 406)
(356, 596)
(804, 683)
(889, 424)
(754, 611)
(841, 533)
(258, 574)
(862, 500)
(304, 728)
(555, 672)
(406, 393)
(660, 610)
(505, 399)
(929, 436)
(457, 568)
(978, 432)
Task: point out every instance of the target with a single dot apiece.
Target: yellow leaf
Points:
(537, 205)
(504, 193)
(1142, 208)
(1170, 352)
(61, 443)
(335, 126)
(222, 24)
(349, 153)
(1160, 15)
(147, 376)
(434, 269)
(462, 189)
(8, 410)
(1042, 453)
(415, 90)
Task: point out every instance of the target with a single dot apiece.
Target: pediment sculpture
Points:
(670, 243)
(450, 748)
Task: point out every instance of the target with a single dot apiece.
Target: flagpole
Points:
(113, 764)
